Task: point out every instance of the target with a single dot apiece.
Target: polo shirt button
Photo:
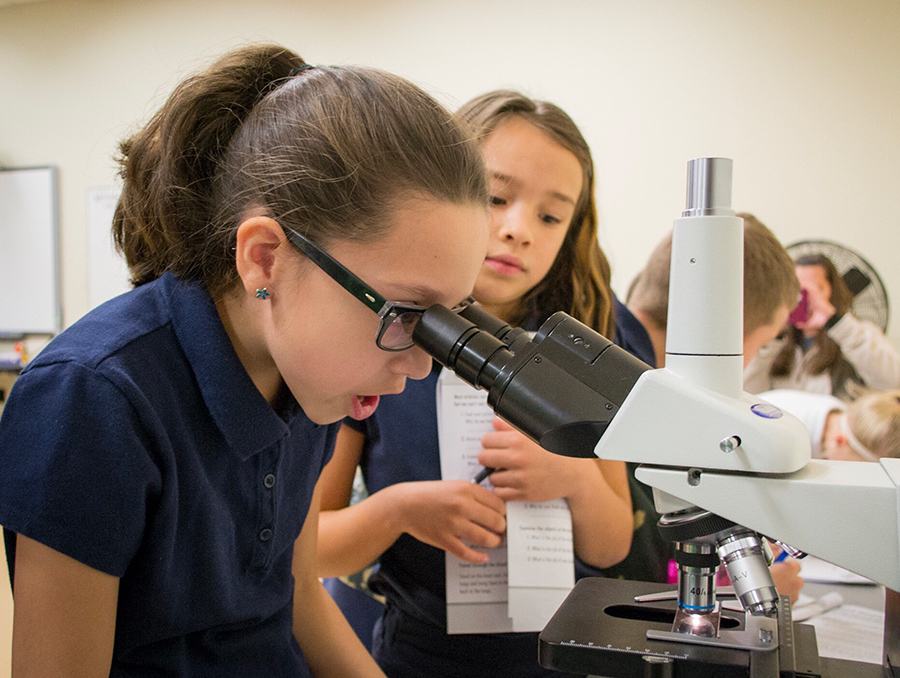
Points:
(265, 534)
(269, 481)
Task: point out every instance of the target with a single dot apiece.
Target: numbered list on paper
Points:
(526, 578)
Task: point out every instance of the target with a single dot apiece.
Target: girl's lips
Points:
(505, 265)
(363, 406)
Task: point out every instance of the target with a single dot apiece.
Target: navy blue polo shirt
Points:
(137, 444)
(632, 335)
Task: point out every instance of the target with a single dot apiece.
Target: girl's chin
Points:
(363, 406)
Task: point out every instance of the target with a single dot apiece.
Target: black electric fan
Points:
(870, 300)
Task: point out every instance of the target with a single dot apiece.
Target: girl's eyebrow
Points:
(562, 197)
(505, 178)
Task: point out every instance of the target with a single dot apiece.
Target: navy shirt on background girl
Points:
(137, 444)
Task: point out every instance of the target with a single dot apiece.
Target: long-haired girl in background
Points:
(543, 256)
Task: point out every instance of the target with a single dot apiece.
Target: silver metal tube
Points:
(709, 187)
(697, 584)
(697, 613)
(744, 557)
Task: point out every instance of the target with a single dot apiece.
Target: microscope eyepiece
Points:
(562, 388)
(456, 343)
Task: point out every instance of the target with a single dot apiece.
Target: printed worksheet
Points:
(541, 561)
(850, 632)
(527, 577)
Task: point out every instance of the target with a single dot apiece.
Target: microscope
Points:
(728, 471)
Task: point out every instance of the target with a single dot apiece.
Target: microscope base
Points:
(600, 631)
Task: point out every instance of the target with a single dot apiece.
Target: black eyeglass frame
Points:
(388, 311)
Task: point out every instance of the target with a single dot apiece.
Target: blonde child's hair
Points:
(874, 418)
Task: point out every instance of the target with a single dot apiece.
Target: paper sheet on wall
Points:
(519, 588)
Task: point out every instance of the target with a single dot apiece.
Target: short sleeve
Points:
(75, 469)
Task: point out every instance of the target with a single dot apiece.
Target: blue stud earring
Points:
(263, 293)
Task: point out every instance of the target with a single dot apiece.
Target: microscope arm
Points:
(747, 461)
(847, 513)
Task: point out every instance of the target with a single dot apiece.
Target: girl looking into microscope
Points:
(159, 459)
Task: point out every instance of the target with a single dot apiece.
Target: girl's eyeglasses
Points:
(398, 319)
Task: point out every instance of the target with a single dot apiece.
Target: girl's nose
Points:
(415, 363)
(512, 225)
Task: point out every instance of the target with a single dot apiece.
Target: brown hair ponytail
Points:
(326, 151)
(168, 167)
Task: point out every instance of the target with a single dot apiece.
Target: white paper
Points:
(850, 632)
(817, 570)
(478, 583)
(813, 608)
(481, 598)
(463, 419)
(479, 618)
(541, 561)
(477, 595)
(539, 541)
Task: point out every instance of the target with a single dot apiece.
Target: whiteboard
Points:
(107, 272)
(29, 252)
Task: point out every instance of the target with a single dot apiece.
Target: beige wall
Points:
(803, 95)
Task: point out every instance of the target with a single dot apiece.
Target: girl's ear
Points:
(258, 238)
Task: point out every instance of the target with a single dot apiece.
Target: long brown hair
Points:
(326, 150)
(579, 280)
(825, 354)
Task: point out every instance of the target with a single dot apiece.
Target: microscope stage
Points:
(599, 630)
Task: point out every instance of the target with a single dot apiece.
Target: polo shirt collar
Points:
(242, 414)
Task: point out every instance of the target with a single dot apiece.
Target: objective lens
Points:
(697, 614)
(742, 552)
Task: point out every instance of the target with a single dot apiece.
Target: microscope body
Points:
(707, 448)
